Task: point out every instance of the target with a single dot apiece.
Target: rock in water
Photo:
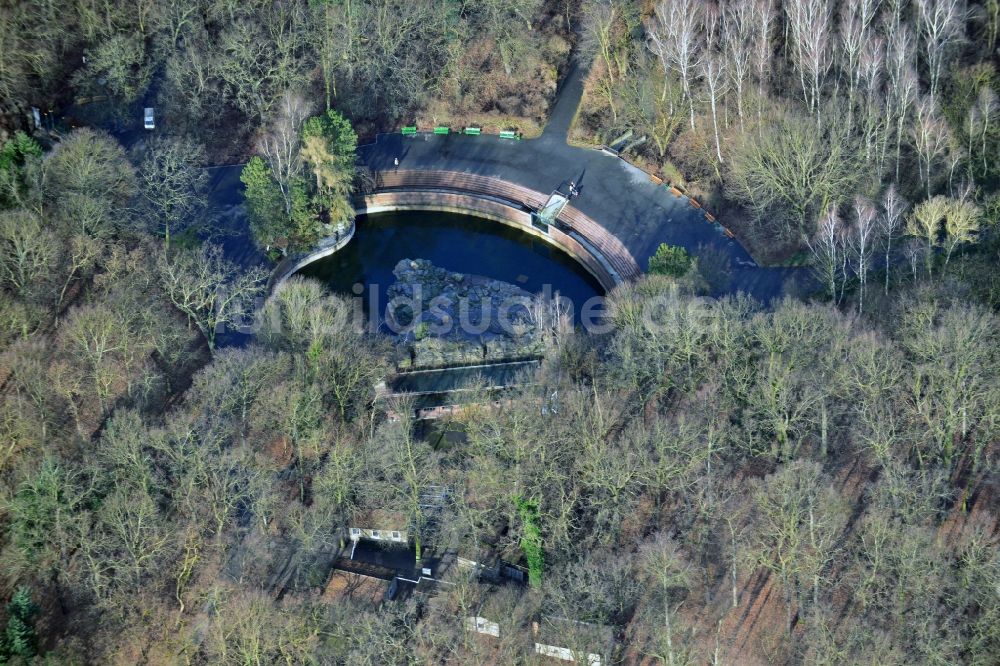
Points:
(444, 318)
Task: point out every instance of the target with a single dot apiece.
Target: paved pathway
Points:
(619, 196)
(564, 111)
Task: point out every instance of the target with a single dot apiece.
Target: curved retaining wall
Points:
(592, 236)
(290, 265)
(452, 202)
(596, 249)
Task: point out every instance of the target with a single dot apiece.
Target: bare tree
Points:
(713, 71)
(130, 536)
(987, 107)
(79, 259)
(873, 121)
(281, 144)
(733, 513)
(296, 409)
(210, 290)
(952, 350)
(890, 221)
(173, 183)
(790, 173)
(411, 469)
(956, 154)
(828, 249)
(660, 47)
(930, 136)
(337, 33)
(607, 30)
(961, 225)
(810, 24)
(798, 516)
(29, 253)
(764, 19)
(676, 33)
(863, 243)
(855, 33)
(665, 567)
(902, 82)
(894, 12)
(738, 29)
(941, 23)
(925, 222)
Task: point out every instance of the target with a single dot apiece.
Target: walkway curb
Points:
(294, 263)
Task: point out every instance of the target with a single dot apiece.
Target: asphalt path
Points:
(615, 194)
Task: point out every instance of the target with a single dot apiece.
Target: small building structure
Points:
(481, 625)
(381, 526)
(395, 536)
(573, 641)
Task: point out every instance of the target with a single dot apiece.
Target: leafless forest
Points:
(715, 481)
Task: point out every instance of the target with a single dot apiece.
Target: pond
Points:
(457, 243)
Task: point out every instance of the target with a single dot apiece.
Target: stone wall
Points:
(497, 211)
(496, 201)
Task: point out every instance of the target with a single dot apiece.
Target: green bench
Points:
(474, 131)
(442, 130)
(510, 134)
(409, 131)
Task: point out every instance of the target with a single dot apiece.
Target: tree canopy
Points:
(710, 479)
(301, 188)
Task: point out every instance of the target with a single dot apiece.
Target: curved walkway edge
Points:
(293, 263)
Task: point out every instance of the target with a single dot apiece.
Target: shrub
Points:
(670, 260)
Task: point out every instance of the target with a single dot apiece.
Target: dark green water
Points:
(458, 243)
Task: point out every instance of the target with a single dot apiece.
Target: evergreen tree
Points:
(531, 540)
(265, 207)
(19, 638)
(670, 260)
(13, 155)
(336, 131)
(328, 149)
(294, 218)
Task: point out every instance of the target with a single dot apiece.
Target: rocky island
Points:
(441, 318)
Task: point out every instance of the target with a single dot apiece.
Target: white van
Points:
(148, 118)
